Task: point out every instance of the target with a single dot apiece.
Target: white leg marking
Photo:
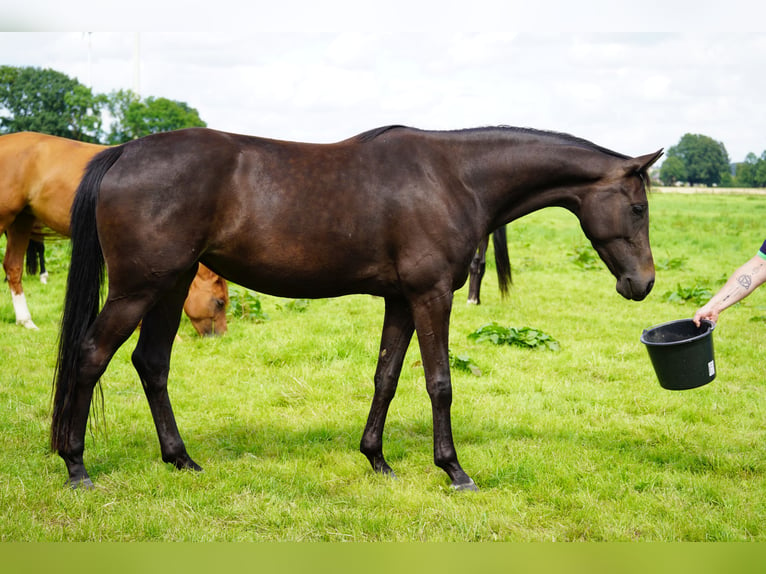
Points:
(23, 316)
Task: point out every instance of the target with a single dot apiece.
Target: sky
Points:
(628, 90)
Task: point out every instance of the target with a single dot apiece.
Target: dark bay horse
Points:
(395, 212)
(36, 256)
(39, 174)
(479, 265)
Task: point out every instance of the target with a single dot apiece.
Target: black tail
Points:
(502, 262)
(83, 292)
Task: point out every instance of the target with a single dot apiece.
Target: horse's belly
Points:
(306, 277)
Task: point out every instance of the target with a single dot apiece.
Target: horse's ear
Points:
(642, 163)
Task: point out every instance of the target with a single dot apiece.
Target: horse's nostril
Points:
(649, 287)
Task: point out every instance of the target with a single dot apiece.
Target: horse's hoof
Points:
(83, 483)
(186, 463)
(381, 467)
(389, 473)
(27, 324)
(470, 486)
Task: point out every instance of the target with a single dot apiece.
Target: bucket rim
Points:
(708, 323)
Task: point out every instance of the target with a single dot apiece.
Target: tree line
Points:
(700, 160)
(50, 102)
(47, 101)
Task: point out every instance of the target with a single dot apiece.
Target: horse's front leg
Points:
(397, 333)
(432, 325)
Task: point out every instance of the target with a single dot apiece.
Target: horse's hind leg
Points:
(112, 327)
(397, 333)
(19, 233)
(151, 359)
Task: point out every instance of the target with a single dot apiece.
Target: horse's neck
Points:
(515, 177)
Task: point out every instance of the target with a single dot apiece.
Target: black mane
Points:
(568, 138)
(374, 133)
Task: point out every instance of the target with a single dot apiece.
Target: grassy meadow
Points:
(576, 444)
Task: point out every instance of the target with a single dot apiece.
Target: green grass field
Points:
(578, 444)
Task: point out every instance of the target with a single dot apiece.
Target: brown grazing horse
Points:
(395, 212)
(38, 177)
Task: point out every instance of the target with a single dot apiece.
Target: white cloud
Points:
(633, 93)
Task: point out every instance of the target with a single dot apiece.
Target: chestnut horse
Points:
(38, 177)
(395, 212)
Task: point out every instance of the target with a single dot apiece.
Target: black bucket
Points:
(681, 353)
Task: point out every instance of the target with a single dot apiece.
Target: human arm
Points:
(742, 282)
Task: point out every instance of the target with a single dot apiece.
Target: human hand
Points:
(707, 312)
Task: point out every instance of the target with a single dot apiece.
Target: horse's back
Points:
(170, 176)
(42, 171)
(16, 161)
(316, 217)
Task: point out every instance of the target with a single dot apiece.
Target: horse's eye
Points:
(639, 209)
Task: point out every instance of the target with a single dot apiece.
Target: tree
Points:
(135, 118)
(118, 104)
(746, 171)
(47, 101)
(672, 171)
(704, 159)
(759, 178)
(84, 113)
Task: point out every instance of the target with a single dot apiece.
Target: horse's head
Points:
(207, 301)
(614, 215)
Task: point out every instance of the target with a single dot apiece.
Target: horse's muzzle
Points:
(634, 289)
